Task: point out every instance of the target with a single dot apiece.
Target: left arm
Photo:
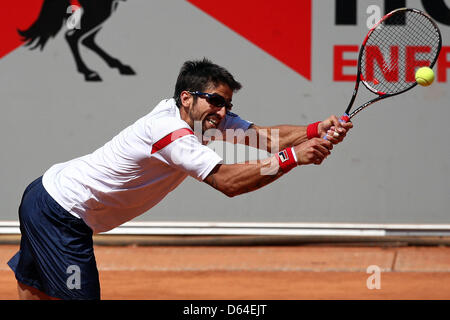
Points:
(279, 137)
(270, 139)
(283, 136)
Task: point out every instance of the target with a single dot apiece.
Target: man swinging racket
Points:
(130, 174)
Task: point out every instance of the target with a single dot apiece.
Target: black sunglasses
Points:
(213, 98)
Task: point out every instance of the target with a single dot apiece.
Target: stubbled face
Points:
(209, 115)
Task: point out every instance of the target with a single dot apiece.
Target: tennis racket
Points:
(400, 43)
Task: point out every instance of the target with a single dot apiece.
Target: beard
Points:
(210, 121)
(207, 122)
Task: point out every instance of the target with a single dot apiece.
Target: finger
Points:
(343, 133)
(341, 130)
(333, 137)
(334, 134)
(318, 162)
(324, 152)
(325, 143)
(340, 135)
(335, 122)
(319, 157)
(325, 148)
(344, 124)
(347, 125)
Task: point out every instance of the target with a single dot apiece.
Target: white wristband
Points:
(295, 156)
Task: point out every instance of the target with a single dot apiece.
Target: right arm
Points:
(239, 178)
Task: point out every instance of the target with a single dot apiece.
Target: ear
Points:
(186, 99)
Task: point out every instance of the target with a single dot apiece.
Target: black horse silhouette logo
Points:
(91, 18)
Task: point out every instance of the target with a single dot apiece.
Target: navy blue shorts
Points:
(56, 253)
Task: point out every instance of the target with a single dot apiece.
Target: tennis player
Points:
(130, 174)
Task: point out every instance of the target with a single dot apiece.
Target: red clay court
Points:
(262, 272)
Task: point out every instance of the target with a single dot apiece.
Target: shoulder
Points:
(165, 126)
(164, 120)
(165, 108)
(234, 121)
(231, 114)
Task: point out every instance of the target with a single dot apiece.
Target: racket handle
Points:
(344, 118)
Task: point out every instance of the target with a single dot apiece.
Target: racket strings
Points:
(403, 42)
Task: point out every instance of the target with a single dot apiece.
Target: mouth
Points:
(213, 121)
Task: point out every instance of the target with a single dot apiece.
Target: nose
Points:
(221, 112)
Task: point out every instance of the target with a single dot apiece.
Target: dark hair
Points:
(198, 75)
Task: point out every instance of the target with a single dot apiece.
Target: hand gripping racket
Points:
(400, 43)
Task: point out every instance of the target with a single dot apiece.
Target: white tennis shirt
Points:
(135, 170)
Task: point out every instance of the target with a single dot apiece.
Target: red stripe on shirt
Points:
(171, 137)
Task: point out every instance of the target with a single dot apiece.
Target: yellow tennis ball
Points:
(425, 76)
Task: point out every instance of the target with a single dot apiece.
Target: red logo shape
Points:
(17, 14)
(281, 28)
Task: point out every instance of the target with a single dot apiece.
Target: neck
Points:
(184, 114)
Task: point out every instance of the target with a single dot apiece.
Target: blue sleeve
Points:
(233, 121)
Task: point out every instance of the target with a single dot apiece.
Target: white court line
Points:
(265, 228)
